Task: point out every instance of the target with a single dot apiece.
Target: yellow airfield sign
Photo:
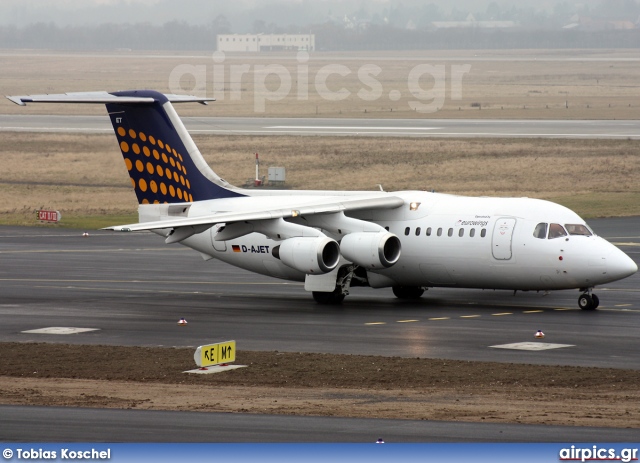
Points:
(215, 354)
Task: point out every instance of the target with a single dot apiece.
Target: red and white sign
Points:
(49, 216)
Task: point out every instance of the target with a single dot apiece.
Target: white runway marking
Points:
(54, 129)
(60, 330)
(341, 127)
(533, 346)
(214, 369)
(304, 130)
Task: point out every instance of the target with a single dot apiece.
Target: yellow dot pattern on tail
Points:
(154, 144)
(147, 172)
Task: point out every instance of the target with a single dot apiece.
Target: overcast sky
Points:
(240, 13)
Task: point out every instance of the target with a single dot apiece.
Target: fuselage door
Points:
(501, 241)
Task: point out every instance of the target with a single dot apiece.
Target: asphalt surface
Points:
(500, 128)
(132, 288)
(56, 424)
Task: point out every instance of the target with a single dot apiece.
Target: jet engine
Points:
(371, 250)
(312, 255)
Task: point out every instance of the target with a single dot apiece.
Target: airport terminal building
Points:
(265, 42)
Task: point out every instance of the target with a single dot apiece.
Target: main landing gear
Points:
(408, 292)
(588, 301)
(348, 276)
(334, 297)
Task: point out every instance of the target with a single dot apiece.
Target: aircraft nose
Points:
(620, 265)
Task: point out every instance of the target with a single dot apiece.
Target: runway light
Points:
(539, 334)
(85, 234)
(182, 322)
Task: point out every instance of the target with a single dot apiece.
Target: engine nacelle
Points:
(371, 250)
(312, 255)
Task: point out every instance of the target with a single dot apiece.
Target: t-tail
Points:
(163, 162)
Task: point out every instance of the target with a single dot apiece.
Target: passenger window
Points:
(428, 233)
(578, 229)
(439, 231)
(461, 232)
(483, 233)
(418, 231)
(450, 232)
(406, 231)
(540, 231)
(556, 231)
(472, 232)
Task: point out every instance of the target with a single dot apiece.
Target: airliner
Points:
(408, 241)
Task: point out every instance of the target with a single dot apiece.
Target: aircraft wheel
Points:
(586, 302)
(334, 297)
(408, 292)
(596, 301)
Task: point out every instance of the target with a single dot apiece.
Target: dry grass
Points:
(82, 160)
(84, 175)
(597, 84)
(501, 166)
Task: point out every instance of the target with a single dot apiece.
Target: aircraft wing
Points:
(328, 206)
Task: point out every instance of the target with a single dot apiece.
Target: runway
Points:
(131, 288)
(447, 128)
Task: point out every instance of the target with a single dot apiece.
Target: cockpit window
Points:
(556, 231)
(577, 229)
(540, 231)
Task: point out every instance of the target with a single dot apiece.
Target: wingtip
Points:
(17, 100)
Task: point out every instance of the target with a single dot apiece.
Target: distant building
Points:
(471, 22)
(265, 42)
(589, 24)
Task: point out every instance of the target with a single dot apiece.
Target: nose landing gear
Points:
(588, 301)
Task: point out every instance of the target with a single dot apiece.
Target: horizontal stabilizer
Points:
(102, 97)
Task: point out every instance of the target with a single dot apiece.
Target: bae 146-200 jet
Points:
(332, 240)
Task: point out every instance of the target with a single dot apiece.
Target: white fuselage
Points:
(470, 242)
